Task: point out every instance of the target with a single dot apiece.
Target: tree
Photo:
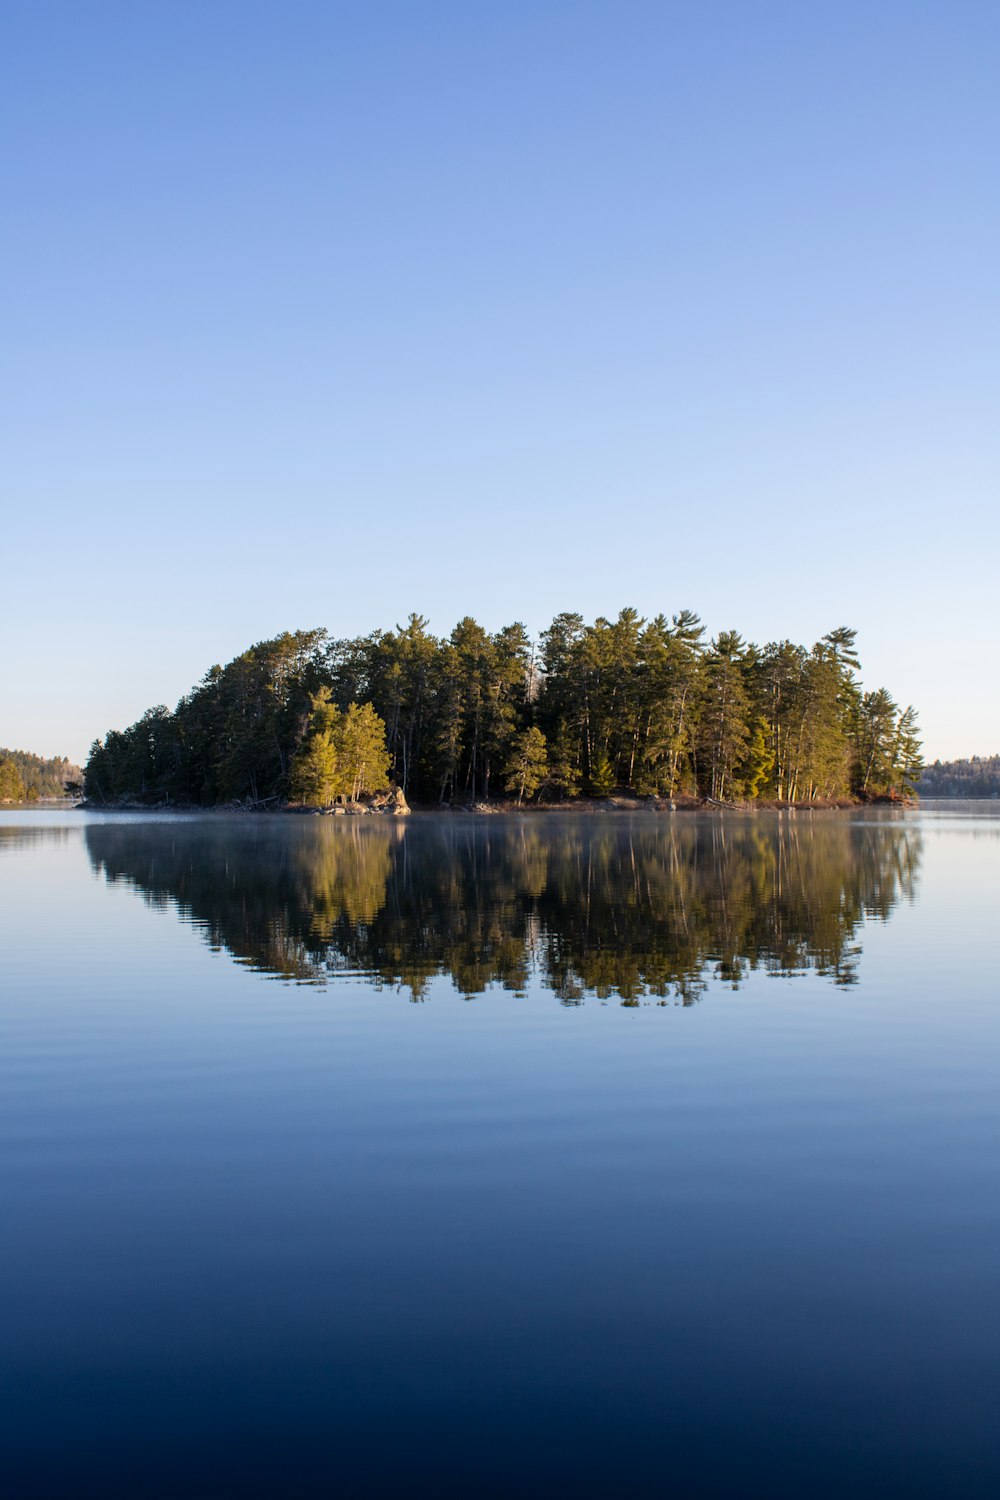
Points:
(400, 680)
(315, 776)
(563, 776)
(725, 727)
(759, 760)
(527, 764)
(314, 771)
(362, 758)
(11, 785)
(602, 776)
(875, 737)
(907, 759)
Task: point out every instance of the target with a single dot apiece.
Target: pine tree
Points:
(527, 765)
(11, 785)
(314, 776)
(875, 742)
(725, 728)
(602, 776)
(563, 775)
(759, 761)
(362, 757)
(908, 761)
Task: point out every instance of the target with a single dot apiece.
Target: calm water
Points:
(570, 1156)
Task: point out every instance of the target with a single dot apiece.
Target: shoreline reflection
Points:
(610, 907)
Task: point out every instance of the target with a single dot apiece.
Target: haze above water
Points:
(547, 1155)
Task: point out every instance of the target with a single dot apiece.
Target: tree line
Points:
(650, 707)
(25, 777)
(620, 907)
(977, 777)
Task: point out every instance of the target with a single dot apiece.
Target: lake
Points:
(579, 1154)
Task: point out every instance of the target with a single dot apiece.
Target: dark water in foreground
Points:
(558, 1156)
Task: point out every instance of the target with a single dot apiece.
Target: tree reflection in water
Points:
(632, 907)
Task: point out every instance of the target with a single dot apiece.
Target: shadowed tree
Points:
(527, 764)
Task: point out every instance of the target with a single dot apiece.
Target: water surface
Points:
(578, 1154)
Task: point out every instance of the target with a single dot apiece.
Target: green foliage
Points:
(313, 778)
(724, 729)
(759, 761)
(527, 764)
(602, 776)
(342, 754)
(643, 705)
(45, 778)
(363, 760)
(563, 779)
(12, 788)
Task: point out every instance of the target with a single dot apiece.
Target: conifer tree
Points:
(908, 761)
(316, 777)
(875, 741)
(725, 727)
(11, 785)
(759, 760)
(527, 764)
(563, 776)
(362, 758)
(602, 776)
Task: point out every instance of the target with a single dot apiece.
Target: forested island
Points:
(977, 777)
(30, 778)
(644, 707)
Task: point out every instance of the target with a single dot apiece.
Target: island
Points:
(633, 708)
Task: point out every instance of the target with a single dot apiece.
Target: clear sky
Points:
(316, 313)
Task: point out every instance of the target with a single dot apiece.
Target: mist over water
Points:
(271, 1227)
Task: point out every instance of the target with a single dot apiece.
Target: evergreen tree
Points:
(362, 758)
(602, 776)
(908, 761)
(875, 742)
(12, 787)
(725, 727)
(563, 776)
(527, 764)
(759, 760)
(316, 777)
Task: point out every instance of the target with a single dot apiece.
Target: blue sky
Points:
(314, 314)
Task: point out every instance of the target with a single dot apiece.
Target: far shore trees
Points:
(12, 787)
(651, 707)
(52, 778)
(979, 776)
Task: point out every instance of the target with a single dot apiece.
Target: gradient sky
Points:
(316, 314)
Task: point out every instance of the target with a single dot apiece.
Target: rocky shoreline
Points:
(393, 803)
